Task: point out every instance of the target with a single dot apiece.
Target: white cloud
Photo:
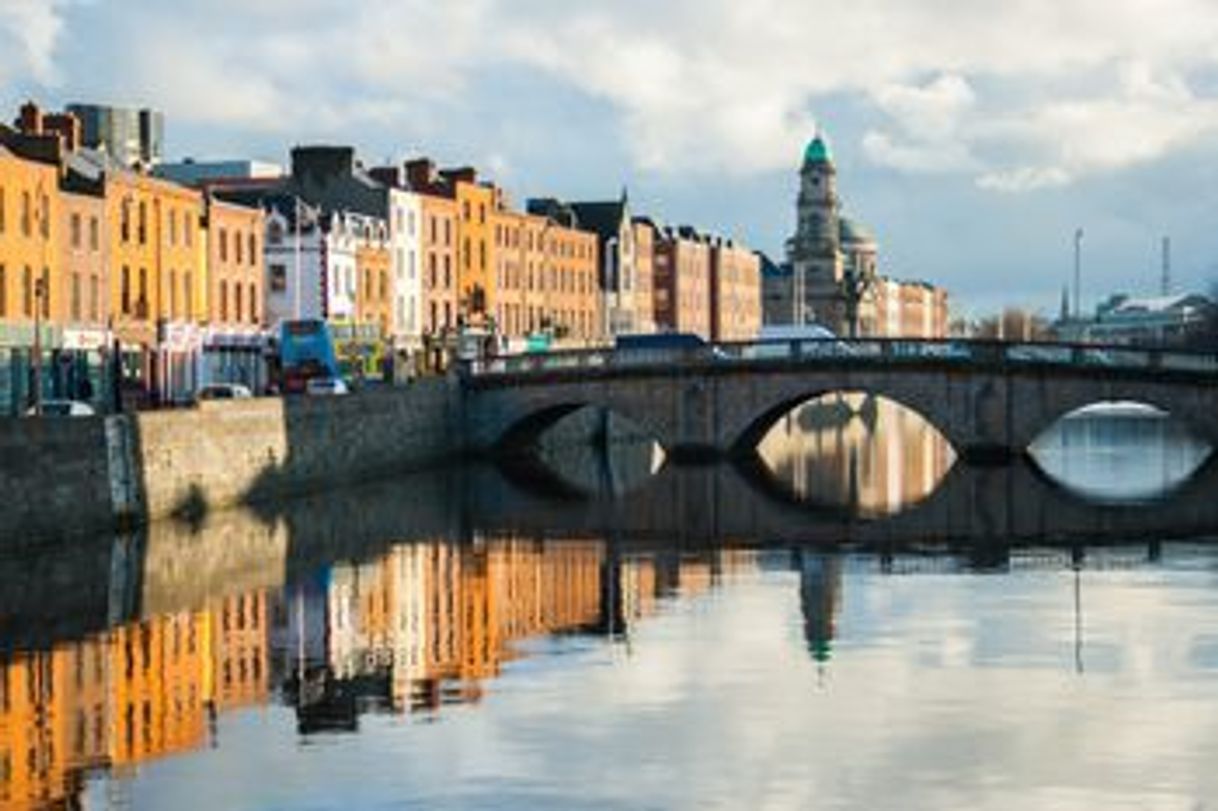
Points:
(29, 30)
(695, 85)
(1024, 178)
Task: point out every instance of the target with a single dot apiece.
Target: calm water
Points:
(471, 639)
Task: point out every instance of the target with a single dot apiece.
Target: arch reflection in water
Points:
(1120, 452)
(594, 451)
(866, 454)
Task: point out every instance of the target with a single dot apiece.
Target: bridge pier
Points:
(692, 453)
(989, 454)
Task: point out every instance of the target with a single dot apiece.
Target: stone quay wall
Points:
(68, 476)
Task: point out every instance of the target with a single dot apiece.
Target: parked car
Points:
(63, 408)
(224, 391)
(326, 387)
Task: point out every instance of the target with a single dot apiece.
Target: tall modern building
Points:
(127, 135)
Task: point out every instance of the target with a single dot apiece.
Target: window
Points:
(237, 248)
(274, 232)
(143, 223)
(188, 297)
(94, 235)
(75, 297)
(45, 213)
(253, 304)
(173, 294)
(173, 227)
(94, 313)
(27, 292)
(3, 291)
(253, 252)
(223, 245)
(467, 253)
(236, 302)
(448, 232)
(279, 278)
(187, 229)
(1, 209)
(384, 285)
(126, 290)
(431, 271)
(482, 213)
(465, 210)
(448, 272)
(482, 255)
(26, 214)
(141, 305)
(223, 301)
(124, 220)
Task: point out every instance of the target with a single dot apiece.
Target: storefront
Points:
(178, 358)
(17, 367)
(234, 356)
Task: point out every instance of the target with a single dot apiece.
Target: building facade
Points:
(735, 292)
(683, 281)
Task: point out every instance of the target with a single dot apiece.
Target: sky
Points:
(973, 138)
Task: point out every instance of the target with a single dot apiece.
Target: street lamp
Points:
(40, 293)
(1078, 272)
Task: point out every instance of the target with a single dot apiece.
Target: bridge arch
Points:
(744, 439)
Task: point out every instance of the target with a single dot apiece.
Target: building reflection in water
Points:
(422, 626)
(854, 451)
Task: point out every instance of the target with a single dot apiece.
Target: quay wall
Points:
(66, 476)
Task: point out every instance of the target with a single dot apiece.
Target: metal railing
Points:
(854, 352)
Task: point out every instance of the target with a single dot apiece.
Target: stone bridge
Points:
(990, 400)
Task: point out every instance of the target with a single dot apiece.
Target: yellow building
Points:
(30, 222)
(157, 274)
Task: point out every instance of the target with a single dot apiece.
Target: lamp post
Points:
(1078, 273)
(40, 293)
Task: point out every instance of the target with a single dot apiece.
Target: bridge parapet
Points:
(990, 399)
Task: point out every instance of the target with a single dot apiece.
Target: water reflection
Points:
(428, 625)
(865, 454)
(452, 640)
(1120, 452)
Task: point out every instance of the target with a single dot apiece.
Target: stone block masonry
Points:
(67, 476)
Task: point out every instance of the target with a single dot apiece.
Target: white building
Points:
(405, 229)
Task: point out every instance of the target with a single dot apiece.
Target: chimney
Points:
(322, 161)
(421, 173)
(67, 127)
(30, 119)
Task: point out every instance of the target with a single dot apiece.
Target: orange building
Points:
(682, 281)
(157, 273)
(235, 270)
(374, 294)
(439, 241)
(30, 245)
(83, 282)
(475, 203)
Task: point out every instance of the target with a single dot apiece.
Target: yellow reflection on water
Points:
(854, 451)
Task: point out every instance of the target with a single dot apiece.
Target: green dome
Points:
(818, 151)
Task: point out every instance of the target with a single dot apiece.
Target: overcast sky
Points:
(972, 137)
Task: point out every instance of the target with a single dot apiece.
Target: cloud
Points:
(1024, 178)
(29, 29)
(694, 85)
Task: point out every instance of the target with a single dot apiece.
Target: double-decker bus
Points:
(305, 351)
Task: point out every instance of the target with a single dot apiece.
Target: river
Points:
(555, 635)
